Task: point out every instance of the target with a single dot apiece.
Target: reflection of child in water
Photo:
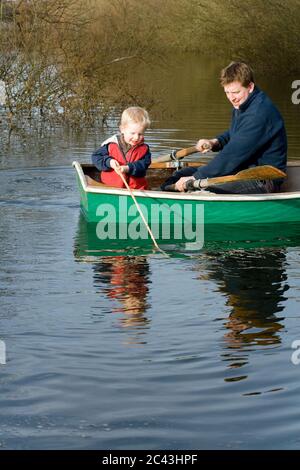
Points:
(128, 279)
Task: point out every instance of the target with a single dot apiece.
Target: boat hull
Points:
(174, 215)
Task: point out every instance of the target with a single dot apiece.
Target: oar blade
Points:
(264, 172)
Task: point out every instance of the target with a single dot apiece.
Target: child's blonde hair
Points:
(135, 114)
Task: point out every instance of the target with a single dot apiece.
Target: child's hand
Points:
(119, 168)
(114, 164)
(124, 168)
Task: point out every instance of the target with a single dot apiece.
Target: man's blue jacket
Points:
(257, 136)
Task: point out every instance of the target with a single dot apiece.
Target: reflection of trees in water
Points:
(254, 283)
(125, 279)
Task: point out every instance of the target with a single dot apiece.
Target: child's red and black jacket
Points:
(138, 159)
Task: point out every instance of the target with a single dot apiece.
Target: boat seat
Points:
(91, 182)
(96, 184)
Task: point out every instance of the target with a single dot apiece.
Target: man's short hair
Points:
(237, 72)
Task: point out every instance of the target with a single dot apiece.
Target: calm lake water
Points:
(127, 349)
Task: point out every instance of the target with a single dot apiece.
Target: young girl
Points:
(126, 150)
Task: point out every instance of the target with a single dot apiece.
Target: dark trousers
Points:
(235, 187)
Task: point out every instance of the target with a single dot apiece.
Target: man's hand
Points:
(205, 145)
(181, 183)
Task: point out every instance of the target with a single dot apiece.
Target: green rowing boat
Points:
(180, 216)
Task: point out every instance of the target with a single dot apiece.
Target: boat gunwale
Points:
(195, 196)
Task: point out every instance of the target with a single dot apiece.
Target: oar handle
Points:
(185, 152)
(173, 164)
(175, 155)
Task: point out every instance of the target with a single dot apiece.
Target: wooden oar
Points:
(162, 165)
(117, 170)
(175, 155)
(264, 172)
(179, 154)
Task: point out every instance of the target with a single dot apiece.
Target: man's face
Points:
(237, 93)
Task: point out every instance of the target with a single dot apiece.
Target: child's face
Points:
(133, 133)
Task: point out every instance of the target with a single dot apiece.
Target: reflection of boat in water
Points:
(87, 243)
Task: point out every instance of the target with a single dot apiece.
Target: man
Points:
(256, 136)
